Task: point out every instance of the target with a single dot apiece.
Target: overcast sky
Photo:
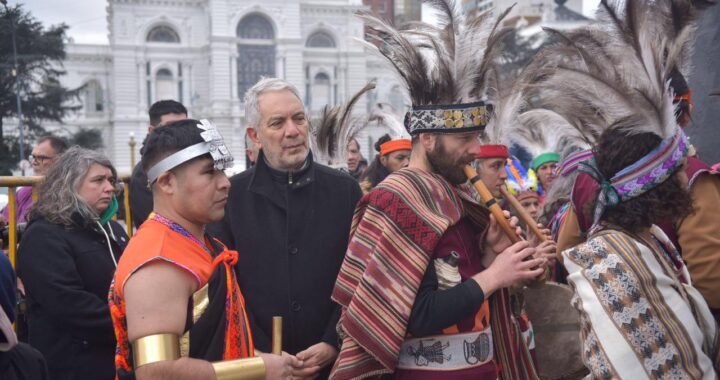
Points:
(87, 19)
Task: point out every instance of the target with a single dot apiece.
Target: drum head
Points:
(556, 324)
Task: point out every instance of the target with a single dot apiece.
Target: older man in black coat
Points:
(289, 218)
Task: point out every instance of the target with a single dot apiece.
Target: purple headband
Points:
(571, 162)
(647, 173)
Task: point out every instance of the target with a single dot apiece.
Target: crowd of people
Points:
(414, 266)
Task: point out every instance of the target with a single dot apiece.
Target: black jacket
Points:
(141, 198)
(22, 362)
(67, 273)
(291, 233)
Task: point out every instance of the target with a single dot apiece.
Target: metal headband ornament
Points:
(213, 144)
(454, 118)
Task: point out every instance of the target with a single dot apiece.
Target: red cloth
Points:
(494, 151)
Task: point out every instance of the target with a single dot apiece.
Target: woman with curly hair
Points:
(392, 155)
(641, 317)
(66, 260)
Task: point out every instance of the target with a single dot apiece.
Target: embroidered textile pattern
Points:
(594, 356)
(624, 286)
(478, 350)
(434, 353)
(571, 162)
(394, 231)
(448, 118)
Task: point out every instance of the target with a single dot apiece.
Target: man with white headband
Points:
(176, 305)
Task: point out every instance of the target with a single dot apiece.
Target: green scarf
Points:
(110, 211)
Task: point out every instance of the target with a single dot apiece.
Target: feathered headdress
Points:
(384, 117)
(622, 68)
(334, 130)
(546, 135)
(445, 68)
(521, 182)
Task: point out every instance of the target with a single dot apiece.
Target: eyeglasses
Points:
(39, 159)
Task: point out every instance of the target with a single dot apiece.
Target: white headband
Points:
(213, 144)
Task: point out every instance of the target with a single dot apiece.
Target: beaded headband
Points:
(453, 118)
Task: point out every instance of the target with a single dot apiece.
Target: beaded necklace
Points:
(179, 229)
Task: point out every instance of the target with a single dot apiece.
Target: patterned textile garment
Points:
(217, 327)
(462, 347)
(394, 232)
(641, 318)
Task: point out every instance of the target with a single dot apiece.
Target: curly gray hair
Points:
(58, 197)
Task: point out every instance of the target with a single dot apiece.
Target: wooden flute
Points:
(497, 211)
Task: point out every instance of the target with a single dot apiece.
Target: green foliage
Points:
(518, 51)
(40, 52)
(87, 138)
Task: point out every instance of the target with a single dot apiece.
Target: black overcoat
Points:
(67, 273)
(291, 232)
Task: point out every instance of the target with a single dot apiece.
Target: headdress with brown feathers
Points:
(443, 67)
(335, 128)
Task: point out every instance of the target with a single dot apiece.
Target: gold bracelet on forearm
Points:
(155, 348)
(240, 369)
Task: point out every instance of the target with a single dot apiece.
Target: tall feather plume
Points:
(385, 117)
(334, 129)
(440, 64)
(510, 97)
(542, 131)
(615, 74)
(621, 66)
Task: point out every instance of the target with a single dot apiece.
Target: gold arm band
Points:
(155, 348)
(240, 369)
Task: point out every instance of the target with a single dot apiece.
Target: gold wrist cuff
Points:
(155, 348)
(240, 369)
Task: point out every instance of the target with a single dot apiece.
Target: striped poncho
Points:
(393, 235)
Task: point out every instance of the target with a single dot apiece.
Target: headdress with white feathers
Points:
(334, 130)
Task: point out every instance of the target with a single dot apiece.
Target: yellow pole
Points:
(12, 225)
(277, 336)
(34, 194)
(128, 216)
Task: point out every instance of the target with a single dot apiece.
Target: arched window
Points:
(320, 40)
(163, 33)
(256, 51)
(164, 85)
(320, 91)
(93, 99)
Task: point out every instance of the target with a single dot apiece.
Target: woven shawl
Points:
(393, 235)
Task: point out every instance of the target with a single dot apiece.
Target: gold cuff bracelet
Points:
(155, 348)
(240, 369)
